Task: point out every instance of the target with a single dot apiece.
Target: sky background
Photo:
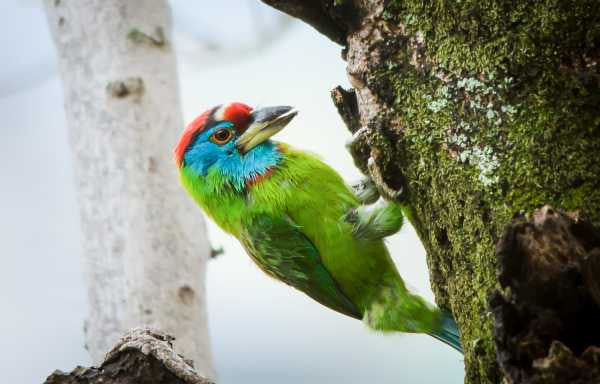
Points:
(261, 331)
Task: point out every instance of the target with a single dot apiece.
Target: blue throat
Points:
(237, 169)
(241, 169)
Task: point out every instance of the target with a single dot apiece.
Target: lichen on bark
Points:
(498, 115)
(478, 110)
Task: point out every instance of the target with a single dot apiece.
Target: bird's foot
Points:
(375, 221)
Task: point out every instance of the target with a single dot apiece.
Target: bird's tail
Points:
(448, 333)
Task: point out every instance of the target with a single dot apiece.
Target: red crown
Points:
(237, 113)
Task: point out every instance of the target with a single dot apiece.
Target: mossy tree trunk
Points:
(477, 110)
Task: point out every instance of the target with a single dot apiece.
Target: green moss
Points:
(158, 39)
(503, 119)
(478, 35)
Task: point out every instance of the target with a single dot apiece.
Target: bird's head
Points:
(233, 139)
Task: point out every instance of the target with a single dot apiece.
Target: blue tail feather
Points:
(448, 332)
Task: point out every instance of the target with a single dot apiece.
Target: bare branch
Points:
(314, 13)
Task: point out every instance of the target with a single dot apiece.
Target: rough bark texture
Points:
(142, 356)
(470, 112)
(547, 316)
(144, 245)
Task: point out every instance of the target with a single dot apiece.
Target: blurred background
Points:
(261, 331)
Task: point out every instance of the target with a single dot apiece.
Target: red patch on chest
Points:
(252, 182)
(266, 174)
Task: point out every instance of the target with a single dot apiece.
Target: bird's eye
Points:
(221, 136)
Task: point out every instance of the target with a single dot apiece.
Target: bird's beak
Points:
(264, 123)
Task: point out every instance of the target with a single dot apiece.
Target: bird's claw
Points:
(365, 190)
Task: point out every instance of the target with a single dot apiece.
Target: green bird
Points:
(299, 221)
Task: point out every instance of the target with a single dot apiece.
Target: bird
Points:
(299, 221)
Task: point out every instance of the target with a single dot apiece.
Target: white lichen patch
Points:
(485, 160)
(474, 130)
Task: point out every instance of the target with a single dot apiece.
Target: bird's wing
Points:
(281, 250)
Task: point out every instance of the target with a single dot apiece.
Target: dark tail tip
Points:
(448, 332)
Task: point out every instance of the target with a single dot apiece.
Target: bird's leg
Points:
(375, 221)
(383, 218)
(365, 189)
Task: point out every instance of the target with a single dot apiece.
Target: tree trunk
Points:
(472, 112)
(145, 248)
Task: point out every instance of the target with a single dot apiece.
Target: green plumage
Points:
(296, 224)
(280, 249)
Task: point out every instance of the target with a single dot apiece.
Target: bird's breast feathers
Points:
(299, 184)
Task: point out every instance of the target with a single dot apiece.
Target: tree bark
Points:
(470, 113)
(142, 356)
(546, 318)
(144, 245)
